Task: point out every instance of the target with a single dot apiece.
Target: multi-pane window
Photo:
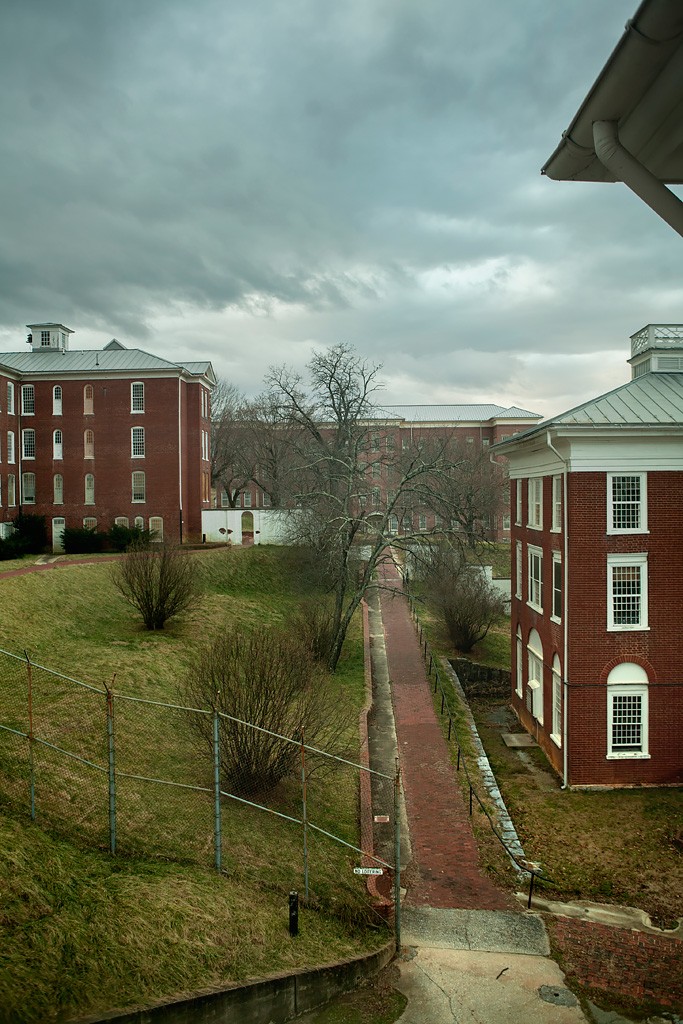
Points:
(518, 502)
(139, 490)
(535, 675)
(138, 442)
(422, 522)
(266, 500)
(10, 446)
(535, 578)
(535, 497)
(89, 489)
(28, 488)
(626, 503)
(627, 711)
(375, 496)
(121, 521)
(10, 398)
(89, 444)
(90, 523)
(557, 586)
(56, 400)
(156, 528)
(557, 503)
(506, 524)
(28, 444)
(139, 523)
(44, 339)
(28, 400)
(246, 499)
(137, 397)
(11, 489)
(556, 733)
(58, 489)
(225, 499)
(57, 446)
(88, 400)
(518, 569)
(627, 592)
(519, 677)
(375, 442)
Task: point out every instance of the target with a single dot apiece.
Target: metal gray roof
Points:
(199, 369)
(92, 361)
(454, 413)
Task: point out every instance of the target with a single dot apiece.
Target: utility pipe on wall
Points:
(624, 167)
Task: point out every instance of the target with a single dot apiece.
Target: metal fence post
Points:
(397, 857)
(304, 814)
(112, 767)
(217, 835)
(31, 765)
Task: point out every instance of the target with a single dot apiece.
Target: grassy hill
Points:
(82, 931)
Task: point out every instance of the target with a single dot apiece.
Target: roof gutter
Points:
(624, 167)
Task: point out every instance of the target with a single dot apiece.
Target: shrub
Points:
(267, 679)
(123, 537)
(313, 623)
(160, 582)
(79, 540)
(463, 595)
(30, 535)
(11, 547)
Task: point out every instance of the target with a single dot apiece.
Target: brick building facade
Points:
(597, 578)
(89, 438)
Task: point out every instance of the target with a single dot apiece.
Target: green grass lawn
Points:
(198, 927)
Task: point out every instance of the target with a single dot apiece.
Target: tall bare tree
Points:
(232, 466)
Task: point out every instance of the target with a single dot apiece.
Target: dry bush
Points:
(313, 622)
(267, 678)
(160, 582)
(468, 602)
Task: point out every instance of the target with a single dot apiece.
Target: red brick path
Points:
(445, 869)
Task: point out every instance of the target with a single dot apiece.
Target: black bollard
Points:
(294, 913)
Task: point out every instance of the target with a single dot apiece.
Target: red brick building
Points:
(597, 579)
(90, 438)
(400, 426)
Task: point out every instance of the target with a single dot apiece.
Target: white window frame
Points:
(556, 733)
(535, 677)
(556, 583)
(506, 523)
(89, 523)
(88, 445)
(137, 447)
(627, 560)
(557, 505)
(10, 398)
(57, 444)
(614, 692)
(11, 490)
(57, 398)
(57, 489)
(641, 504)
(519, 674)
(139, 490)
(535, 503)
(28, 485)
(519, 555)
(137, 399)
(246, 499)
(28, 400)
(535, 580)
(518, 502)
(88, 400)
(121, 521)
(89, 489)
(11, 451)
(28, 444)
(156, 527)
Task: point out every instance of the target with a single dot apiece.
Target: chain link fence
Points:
(143, 778)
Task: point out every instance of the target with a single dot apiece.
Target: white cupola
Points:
(48, 337)
(657, 348)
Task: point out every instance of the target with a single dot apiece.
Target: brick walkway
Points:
(445, 870)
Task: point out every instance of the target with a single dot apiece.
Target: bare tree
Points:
(474, 491)
(159, 581)
(232, 465)
(338, 456)
(270, 438)
(459, 589)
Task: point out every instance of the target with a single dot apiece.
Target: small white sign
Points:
(368, 871)
(382, 819)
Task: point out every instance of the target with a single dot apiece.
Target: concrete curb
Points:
(276, 999)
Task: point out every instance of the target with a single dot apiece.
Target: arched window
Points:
(89, 444)
(121, 521)
(90, 523)
(556, 733)
(520, 664)
(56, 400)
(139, 489)
(156, 528)
(57, 446)
(627, 711)
(89, 489)
(58, 489)
(139, 523)
(535, 676)
(88, 400)
(137, 442)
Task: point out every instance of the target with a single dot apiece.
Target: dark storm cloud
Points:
(366, 170)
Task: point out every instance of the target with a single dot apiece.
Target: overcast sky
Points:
(247, 182)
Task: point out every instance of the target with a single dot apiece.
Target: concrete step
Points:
(492, 931)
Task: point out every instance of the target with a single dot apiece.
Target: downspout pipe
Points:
(565, 613)
(623, 166)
